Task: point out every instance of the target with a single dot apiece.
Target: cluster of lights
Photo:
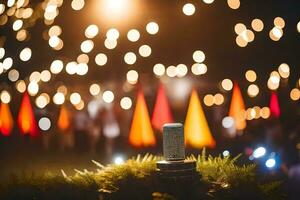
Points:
(275, 76)
(256, 112)
(276, 32)
(244, 35)
(210, 100)
(180, 70)
(42, 100)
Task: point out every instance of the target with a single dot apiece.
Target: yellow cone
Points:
(141, 133)
(197, 132)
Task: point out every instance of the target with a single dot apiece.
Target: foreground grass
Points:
(220, 178)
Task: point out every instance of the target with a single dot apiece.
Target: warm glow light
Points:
(265, 112)
(126, 103)
(83, 58)
(257, 25)
(13, 75)
(298, 26)
(77, 4)
(71, 68)
(56, 66)
(108, 96)
(75, 98)
(94, 89)
(159, 69)
(25, 54)
(5, 97)
(239, 28)
(279, 22)
(113, 33)
(284, 70)
(171, 71)
(33, 88)
(253, 90)
(188, 9)
(101, 59)
(208, 100)
(133, 35)
(82, 69)
(227, 84)
(132, 76)
(110, 44)
(295, 94)
(198, 56)
(45, 76)
(218, 99)
(87, 46)
(17, 25)
(2, 52)
(240, 41)
(116, 8)
(91, 31)
(42, 100)
(234, 4)
(145, 50)
(248, 35)
(59, 98)
(21, 86)
(199, 68)
(35, 76)
(181, 70)
(208, 1)
(130, 58)
(251, 76)
(7, 63)
(152, 28)
(54, 31)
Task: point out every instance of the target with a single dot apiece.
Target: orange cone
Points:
(26, 120)
(63, 122)
(141, 133)
(6, 120)
(197, 132)
(237, 108)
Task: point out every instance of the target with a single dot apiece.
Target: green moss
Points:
(221, 178)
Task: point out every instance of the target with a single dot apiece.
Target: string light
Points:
(59, 98)
(108, 96)
(133, 35)
(132, 76)
(126, 103)
(94, 89)
(130, 58)
(152, 28)
(5, 96)
(75, 98)
(159, 69)
(227, 84)
(145, 50)
(188, 9)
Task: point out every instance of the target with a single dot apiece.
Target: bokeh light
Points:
(152, 28)
(94, 89)
(125, 103)
(188, 9)
(108, 96)
(227, 84)
(159, 69)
